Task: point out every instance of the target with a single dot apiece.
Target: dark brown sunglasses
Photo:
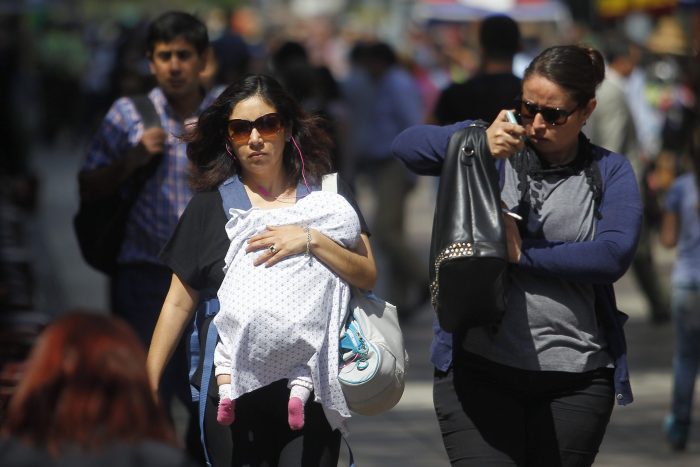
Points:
(268, 125)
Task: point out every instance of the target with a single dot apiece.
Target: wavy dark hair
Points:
(86, 387)
(211, 163)
(576, 68)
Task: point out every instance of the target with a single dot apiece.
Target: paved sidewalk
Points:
(407, 435)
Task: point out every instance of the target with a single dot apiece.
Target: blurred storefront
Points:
(470, 10)
(620, 8)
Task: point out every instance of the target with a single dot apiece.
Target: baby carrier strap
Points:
(233, 195)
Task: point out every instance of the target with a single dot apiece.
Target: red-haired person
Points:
(85, 400)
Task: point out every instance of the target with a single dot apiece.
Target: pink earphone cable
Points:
(301, 156)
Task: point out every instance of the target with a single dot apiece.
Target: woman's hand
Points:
(513, 240)
(356, 266)
(279, 242)
(504, 138)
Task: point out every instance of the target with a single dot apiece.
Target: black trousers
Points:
(494, 415)
(260, 435)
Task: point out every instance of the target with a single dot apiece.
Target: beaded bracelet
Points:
(308, 240)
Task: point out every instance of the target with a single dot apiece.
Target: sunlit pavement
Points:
(408, 435)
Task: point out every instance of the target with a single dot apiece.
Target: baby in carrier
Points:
(283, 321)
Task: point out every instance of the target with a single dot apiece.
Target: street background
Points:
(408, 435)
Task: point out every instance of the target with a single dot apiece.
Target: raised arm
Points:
(114, 153)
(422, 147)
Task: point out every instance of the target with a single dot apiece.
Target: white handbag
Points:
(373, 356)
(373, 359)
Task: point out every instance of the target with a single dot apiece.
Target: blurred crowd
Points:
(61, 72)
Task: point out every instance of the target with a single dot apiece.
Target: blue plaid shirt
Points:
(165, 195)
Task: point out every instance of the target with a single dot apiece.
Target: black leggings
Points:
(260, 435)
(495, 415)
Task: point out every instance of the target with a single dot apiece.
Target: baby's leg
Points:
(225, 414)
(300, 390)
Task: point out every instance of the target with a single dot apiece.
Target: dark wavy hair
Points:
(211, 163)
(85, 387)
(576, 68)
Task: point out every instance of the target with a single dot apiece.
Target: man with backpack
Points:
(177, 48)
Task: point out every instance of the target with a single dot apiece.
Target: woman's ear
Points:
(589, 108)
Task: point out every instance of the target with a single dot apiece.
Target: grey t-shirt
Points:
(550, 323)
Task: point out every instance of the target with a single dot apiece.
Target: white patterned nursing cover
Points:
(283, 321)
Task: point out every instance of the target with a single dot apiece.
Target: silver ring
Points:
(272, 249)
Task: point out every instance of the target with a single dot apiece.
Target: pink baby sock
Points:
(226, 413)
(295, 407)
(295, 413)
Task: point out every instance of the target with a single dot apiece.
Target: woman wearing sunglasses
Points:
(539, 390)
(255, 139)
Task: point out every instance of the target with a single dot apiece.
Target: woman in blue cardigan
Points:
(540, 389)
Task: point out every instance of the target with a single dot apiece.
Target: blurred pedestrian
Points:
(176, 47)
(314, 87)
(231, 55)
(396, 105)
(85, 400)
(358, 94)
(680, 228)
(256, 140)
(612, 126)
(539, 388)
(494, 87)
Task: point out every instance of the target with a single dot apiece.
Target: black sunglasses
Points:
(268, 125)
(552, 115)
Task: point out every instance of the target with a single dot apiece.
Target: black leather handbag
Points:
(468, 253)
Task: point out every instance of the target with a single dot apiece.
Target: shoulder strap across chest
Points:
(233, 194)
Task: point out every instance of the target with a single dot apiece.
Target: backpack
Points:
(100, 224)
(468, 254)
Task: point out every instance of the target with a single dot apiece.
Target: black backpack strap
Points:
(150, 118)
(147, 110)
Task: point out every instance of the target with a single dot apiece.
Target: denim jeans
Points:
(137, 292)
(137, 295)
(686, 316)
